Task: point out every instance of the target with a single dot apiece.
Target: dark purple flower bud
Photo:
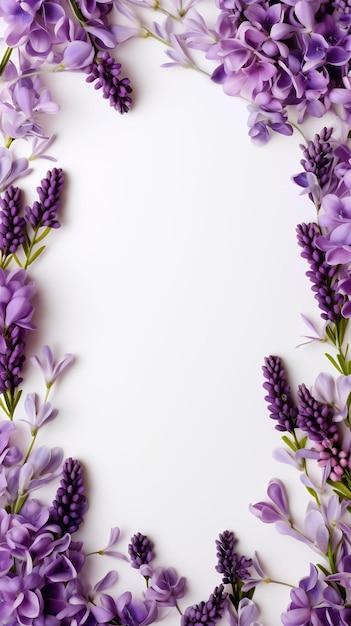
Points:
(319, 157)
(12, 359)
(43, 213)
(233, 567)
(12, 225)
(70, 505)
(206, 613)
(314, 417)
(321, 274)
(280, 403)
(105, 73)
(140, 550)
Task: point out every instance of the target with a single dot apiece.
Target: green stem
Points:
(5, 59)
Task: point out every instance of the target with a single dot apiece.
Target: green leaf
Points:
(331, 334)
(333, 362)
(291, 444)
(35, 255)
(43, 234)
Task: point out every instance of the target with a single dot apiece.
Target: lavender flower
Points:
(105, 73)
(140, 550)
(43, 213)
(233, 567)
(69, 506)
(12, 225)
(319, 161)
(322, 275)
(207, 613)
(280, 403)
(315, 418)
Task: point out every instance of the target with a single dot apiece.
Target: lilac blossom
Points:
(11, 168)
(334, 393)
(125, 609)
(277, 510)
(38, 414)
(165, 587)
(313, 602)
(51, 369)
(246, 615)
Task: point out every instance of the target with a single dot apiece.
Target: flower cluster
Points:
(289, 59)
(40, 37)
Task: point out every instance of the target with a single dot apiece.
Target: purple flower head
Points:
(281, 406)
(209, 612)
(44, 212)
(234, 568)
(51, 370)
(165, 587)
(322, 275)
(70, 505)
(12, 225)
(315, 418)
(318, 160)
(104, 72)
(140, 550)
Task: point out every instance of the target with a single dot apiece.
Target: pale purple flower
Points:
(77, 55)
(333, 392)
(246, 614)
(165, 587)
(51, 369)
(113, 539)
(125, 609)
(38, 414)
(11, 168)
(334, 211)
(336, 245)
(311, 602)
(277, 510)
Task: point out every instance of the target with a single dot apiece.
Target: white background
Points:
(175, 272)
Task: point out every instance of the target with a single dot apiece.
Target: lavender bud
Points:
(70, 505)
(140, 550)
(280, 403)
